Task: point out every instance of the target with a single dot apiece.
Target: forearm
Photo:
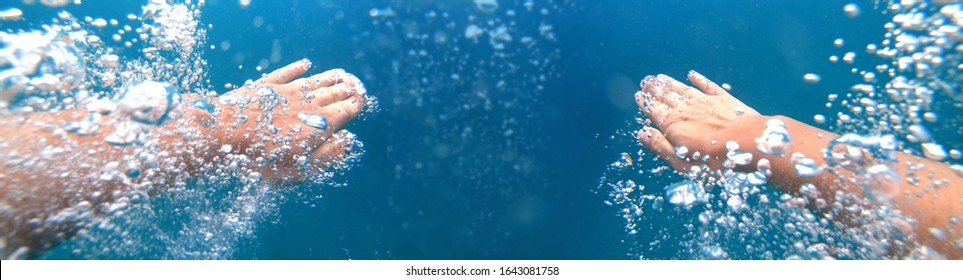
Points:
(53, 181)
(930, 192)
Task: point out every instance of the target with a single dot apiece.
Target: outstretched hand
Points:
(701, 119)
(286, 121)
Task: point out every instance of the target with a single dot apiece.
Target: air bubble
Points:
(681, 152)
(12, 14)
(805, 167)
(314, 120)
(227, 99)
(809, 190)
(934, 151)
(763, 165)
(686, 193)
(811, 78)
(714, 253)
(775, 140)
(149, 102)
(203, 105)
(739, 158)
(657, 203)
(881, 183)
(851, 10)
(820, 119)
(125, 133)
(757, 178)
(937, 234)
(486, 6)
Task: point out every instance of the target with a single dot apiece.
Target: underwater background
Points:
(497, 125)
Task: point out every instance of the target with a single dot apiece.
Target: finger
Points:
(325, 79)
(327, 95)
(704, 84)
(287, 73)
(290, 170)
(335, 148)
(340, 113)
(640, 99)
(659, 91)
(656, 142)
(679, 88)
(657, 112)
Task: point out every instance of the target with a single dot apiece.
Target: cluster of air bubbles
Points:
(471, 58)
(686, 193)
(40, 65)
(872, 159)
(174, 26)
(775, 140)
(915, 92)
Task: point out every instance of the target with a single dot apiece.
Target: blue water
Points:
(442, 178)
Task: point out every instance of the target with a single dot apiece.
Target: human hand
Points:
(284, 124)
(683, 116)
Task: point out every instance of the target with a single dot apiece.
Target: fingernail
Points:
(646, 80)
(698, 76)
(646, 135)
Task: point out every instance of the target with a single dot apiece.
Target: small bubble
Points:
(227, 99)
(809, 190)
(657, 203)
(486, 6)
(254, 177)
(11, 14)
(314, 120)
(811, 78)
(819, 251)
(805, 167)
(133, 173)
(849, 57)
(820, 119)
(757, 178)
(735, 203)
(714, 253)
(851, 10)
(934, 151)
(937, 234)
(204, 105)
(125, 133)
(739, 158)
(681, 152)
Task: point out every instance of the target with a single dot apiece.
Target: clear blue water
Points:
(470, 169)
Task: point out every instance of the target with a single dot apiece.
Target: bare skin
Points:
(50, 178)
(696, 117)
